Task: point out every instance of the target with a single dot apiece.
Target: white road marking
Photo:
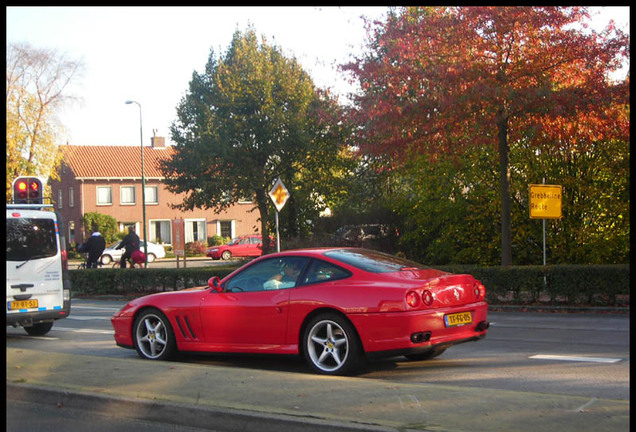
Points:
(585, 405)
(575, 358)
(95, 331)
(74, 306)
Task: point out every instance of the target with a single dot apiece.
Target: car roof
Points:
(314, 252)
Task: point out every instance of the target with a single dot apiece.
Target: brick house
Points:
(107, 180)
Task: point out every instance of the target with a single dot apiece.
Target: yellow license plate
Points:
(23, 304)
(458, 319)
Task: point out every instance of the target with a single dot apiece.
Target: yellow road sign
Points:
(545, 201)
(279, 194)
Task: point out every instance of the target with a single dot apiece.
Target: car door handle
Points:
(278, 309)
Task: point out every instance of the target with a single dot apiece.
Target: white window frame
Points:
(189, 232)
(152, 234)
(106, 203)
(232, 227)
(60, 196)
(121, 195)
(156, 194)
(71, 197)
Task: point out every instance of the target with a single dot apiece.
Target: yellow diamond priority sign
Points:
(279, 194)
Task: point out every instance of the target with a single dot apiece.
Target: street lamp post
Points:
(143, 180)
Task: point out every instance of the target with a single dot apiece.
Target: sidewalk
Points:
(234, 399)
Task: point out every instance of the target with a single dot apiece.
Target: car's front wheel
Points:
(153, 336)
(226, 255)
(331, 345)
(106, 259)
(151, 257)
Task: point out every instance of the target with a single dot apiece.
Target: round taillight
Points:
(480, 290)
(412, 299)
(427, 298)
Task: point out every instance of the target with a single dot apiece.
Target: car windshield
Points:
(30, 238)
(373, 261)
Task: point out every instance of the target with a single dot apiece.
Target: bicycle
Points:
(130, 264)
(82, 265)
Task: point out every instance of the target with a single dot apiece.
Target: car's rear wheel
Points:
(106, 259)
(39, 329)
(331, 345)
(153, 336)
(151, 257)
(226, 255)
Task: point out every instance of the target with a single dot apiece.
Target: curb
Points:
(202, 417)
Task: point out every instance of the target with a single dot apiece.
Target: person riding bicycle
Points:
(131, 243)
(94, 247)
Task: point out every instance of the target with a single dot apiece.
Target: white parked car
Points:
(111, 253)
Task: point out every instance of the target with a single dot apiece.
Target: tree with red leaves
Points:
(438, 79)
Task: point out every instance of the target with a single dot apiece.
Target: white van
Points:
(38, 287)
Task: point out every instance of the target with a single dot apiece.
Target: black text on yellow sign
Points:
(546, 201)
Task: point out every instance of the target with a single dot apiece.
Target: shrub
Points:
(216, 240)
(195, 249)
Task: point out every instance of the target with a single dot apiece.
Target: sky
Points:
(148, 54)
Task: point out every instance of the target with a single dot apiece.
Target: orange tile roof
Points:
(114, 161)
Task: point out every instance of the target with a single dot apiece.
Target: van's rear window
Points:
(30, 239)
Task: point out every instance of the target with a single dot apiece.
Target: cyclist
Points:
(94, 247)
(131, 243)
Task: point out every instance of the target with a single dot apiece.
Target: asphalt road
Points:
(584, 355)
(51, 418)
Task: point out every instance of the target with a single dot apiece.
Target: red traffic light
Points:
(27, 190)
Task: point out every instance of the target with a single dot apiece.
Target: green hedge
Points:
(559, 285)
(563, 285)
(136, 282)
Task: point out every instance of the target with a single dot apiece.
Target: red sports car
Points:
(335, 307)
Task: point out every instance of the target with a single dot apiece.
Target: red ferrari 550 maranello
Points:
(335, 307)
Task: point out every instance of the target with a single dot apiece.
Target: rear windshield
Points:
(373, 261)
(30, 239)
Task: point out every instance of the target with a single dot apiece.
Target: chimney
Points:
(157, 142)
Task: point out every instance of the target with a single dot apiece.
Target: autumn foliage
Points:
(440, 79)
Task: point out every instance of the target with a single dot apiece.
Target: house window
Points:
(104, 195)
(160, 232)
(71, 197)
(151, 195)
(127, 195)
(225, 229)
(71, 231)
(195, 231)
(59, 198)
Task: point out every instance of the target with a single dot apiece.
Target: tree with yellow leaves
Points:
(36, 84)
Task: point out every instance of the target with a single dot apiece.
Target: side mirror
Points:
(215, 283)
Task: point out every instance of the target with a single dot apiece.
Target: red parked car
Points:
(334, 307)
(244, 246)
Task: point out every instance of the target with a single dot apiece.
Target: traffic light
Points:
(27, 190)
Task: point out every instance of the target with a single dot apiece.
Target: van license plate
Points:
(458, 319)
(23, 304)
